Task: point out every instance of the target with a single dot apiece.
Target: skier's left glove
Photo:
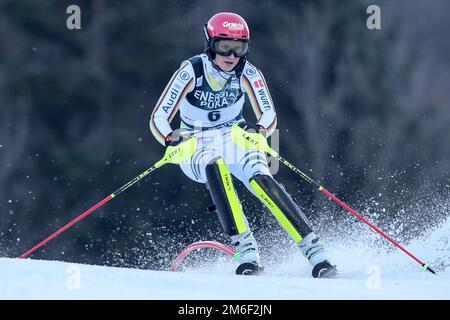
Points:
(252, 128)
(175, 138)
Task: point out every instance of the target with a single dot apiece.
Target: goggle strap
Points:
(205, 30)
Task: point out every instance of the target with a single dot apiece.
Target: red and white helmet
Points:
(226, 25)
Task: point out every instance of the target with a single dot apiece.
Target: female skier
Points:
(209, 91)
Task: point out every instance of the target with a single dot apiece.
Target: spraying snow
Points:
(366, 273)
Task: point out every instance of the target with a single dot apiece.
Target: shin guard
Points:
(282, 206)
(224, 195)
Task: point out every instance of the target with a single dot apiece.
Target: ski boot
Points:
(247, 254)
(249, 269)
(325, 269)
(318, 257)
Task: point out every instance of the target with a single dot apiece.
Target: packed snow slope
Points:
(366, 273)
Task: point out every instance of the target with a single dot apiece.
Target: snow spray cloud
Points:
(153, 245)
(354, 246)
(423, 225)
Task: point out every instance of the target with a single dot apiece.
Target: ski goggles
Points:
(225, 47)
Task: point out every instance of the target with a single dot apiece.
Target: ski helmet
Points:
(226, 25)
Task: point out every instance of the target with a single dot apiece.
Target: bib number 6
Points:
(214, 116)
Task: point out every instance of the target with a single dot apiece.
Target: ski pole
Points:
(174, 154)
(257, 142)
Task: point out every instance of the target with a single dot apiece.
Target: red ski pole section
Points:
(199, 245)
(67, 226)
(369, 224)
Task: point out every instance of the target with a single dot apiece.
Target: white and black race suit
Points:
(210, 101)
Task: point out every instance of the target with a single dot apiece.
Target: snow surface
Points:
(366, 273)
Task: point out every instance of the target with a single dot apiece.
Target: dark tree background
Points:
(366, 112)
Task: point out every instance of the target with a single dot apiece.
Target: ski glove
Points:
(252, 128)
(175, 138)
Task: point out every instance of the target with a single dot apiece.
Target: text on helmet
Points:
(233, 25)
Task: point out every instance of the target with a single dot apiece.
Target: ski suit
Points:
(210, 101)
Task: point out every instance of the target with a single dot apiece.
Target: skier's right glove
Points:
(252, 128)
(175, 138)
